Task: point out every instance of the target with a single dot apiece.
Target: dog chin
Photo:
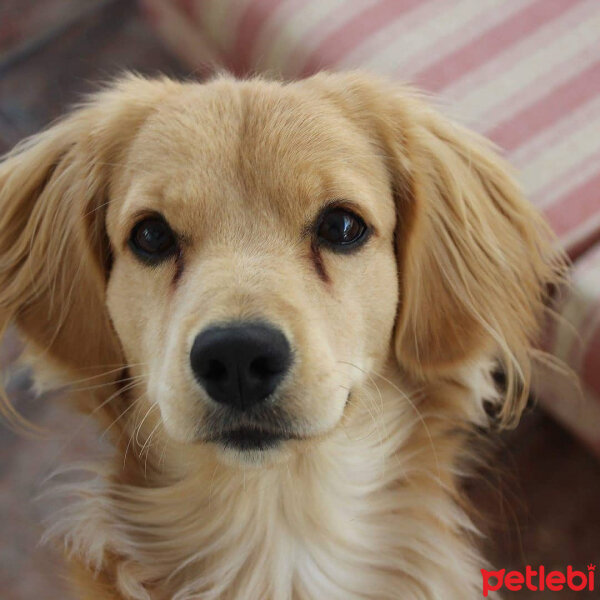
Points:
(238, 450)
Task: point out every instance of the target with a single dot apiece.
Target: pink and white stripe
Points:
(526, 73)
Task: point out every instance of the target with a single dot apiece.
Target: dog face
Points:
(254, 252)
(252, 236)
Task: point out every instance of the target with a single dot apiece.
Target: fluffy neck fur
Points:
(370, 511)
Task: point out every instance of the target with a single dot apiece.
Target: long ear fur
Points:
(54, 255)
(476, 260)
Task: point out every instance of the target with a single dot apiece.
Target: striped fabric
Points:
(525, 73)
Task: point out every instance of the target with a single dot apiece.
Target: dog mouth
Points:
(245, 439)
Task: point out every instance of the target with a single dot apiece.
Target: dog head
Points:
(253, 252)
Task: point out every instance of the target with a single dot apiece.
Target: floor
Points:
(537, 502)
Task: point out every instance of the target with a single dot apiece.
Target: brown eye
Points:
(153, 240)
(341, 229)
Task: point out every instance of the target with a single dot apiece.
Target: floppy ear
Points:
(475, 259)
(54, 253)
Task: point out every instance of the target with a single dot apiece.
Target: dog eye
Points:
(341, 229)
(153, 240)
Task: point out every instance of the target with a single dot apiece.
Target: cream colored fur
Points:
(370, 512)
(394, 344)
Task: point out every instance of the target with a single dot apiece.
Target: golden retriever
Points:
(285, 302)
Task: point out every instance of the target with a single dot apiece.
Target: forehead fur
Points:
(252, 142)
(251, 124)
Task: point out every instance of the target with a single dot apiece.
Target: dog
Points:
(285, 302)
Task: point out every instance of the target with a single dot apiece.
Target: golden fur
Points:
(452, 282)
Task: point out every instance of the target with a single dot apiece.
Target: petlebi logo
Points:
(538, 580)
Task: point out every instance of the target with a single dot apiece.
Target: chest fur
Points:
(368, 513)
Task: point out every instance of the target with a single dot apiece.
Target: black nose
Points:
(240, 365)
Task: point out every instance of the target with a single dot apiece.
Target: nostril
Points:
(214, 370)
(264, 367)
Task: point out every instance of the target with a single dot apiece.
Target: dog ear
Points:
(54, 252)
(475, 259)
